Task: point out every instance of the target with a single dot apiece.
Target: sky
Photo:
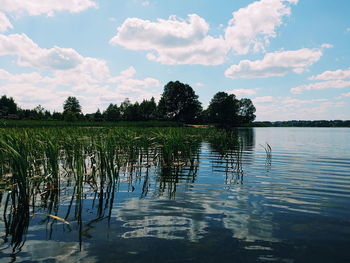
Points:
(290, 57)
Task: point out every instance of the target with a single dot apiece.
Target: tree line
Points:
(178, 103)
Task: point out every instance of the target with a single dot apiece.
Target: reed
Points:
(37, 164)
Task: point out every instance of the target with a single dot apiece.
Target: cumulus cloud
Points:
(332, 84)
(211, 51)
(4, 23)
(263, 99)
(252, 27)
(127, 84)
(332, 75)
(138, 34)
(47, 7)
(31, 89)
(29, 54)
(172, 41)
(243, 92)
(288, 108)
(177, 41)
(62, 72)
(275, 64)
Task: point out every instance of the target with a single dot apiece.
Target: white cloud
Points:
(199, 84)
(332, 84)
(287, 108)
(31, 89)
(332, 75)
(64, 72)
(178, 41)
(243, 92)
(139, 34)
(326, 45)
(30, 54)
(4, 23)
(145, 3)
(297, 102)
(275, 64)
(137, 89)
(252, 27)
(346, 94)
(55, 59)
(47, 7)
(211, 51)
(172, 41)
(263, 99)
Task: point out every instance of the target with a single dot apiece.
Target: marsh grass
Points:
(268, 151)
(38, 164)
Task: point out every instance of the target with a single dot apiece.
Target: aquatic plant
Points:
(37, 165)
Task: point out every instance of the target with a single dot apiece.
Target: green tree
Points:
(148, 110)
(98, 116)
(223, 109)
(57, 116)
(133, 112)
(112, 113)
(7, 106)
(71, 109)
(179, 103)
(246, 111)
(38, 113)
(124, 108)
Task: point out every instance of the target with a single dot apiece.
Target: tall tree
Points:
(148, 109)
(179, 102)
(98, 116)
(223, 109)
(71, 109)
(124, 108)
(7, 106)
(246, 111)
(133, 112)
(72, 104)
(112, 113)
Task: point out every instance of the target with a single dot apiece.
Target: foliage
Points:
(148, 110)
(98, 116)
(225, 110)
(112, 113)
(246, 111)
(179, 103)
(71, 109)
(7, 106)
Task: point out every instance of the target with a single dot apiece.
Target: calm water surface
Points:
(292, 206)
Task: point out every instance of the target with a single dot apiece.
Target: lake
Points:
(288, 205)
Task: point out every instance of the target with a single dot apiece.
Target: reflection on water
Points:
(234, 200)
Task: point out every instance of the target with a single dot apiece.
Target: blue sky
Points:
(290, 57)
